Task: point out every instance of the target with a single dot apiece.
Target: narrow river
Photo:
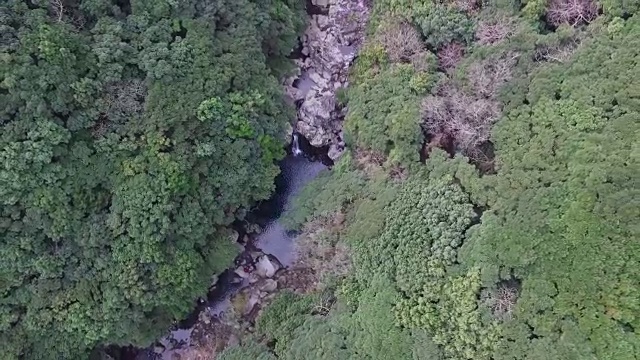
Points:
(297, 169)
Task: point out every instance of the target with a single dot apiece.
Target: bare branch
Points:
(558, 53)
(466, 5)
(449, 55)
(489, 75)
(572, 12)
(124, 98)
(400, 39)
(502, 301)
(495, 31)
(459, 115)
(58, 9)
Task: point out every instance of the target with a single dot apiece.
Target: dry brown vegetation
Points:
(121, 99)
(488, 76)
(495, 31)
(198, 354)
(367, 157)
(502, 301)
(467, 117)
(572, 12)
(401, 40)
(57, 9)
(64, 11)
(560, 52)
(318, 247)
(369, 161)
(450, 55)
(125, 97)
(466, 5)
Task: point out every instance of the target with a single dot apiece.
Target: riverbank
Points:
(326, 52)
(267, 262)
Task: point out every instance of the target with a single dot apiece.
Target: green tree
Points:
(117, 186)
(384, 114)
(248, 350)
(564, 206)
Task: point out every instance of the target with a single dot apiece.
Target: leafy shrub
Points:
(131, 136)
(533, 10)
(444, 24)
(619, 8)
(326, 194)
(371, 59)
(249, 350)
(564, 207)
(450, 314)
(319, 339)
(367, 333)
(424, 226)
(283, 315)
(384, 114)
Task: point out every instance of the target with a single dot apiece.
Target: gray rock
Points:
(254, 278)
(319, 80)
(233, 340)
(335, 151)
(287, 138)
(316, 109)
(254, 299)
(265, 268)
(240, 272)
(268, 285)
(330, 44)
(233, 236)
(322, 21)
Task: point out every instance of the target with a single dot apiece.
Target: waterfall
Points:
(295, 146)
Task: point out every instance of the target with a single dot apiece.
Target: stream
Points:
(302, 164)
(297, 171)
(325, 53)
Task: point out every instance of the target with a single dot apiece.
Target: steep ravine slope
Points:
(488, 198)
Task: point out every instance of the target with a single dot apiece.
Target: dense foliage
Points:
(565, 224)
(518, 238)
(488, 201)
(132, 134)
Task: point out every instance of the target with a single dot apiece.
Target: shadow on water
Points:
(296, 171)
(301, 165)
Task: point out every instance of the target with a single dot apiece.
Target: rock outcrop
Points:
(329, 47)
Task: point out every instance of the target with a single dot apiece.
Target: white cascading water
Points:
(295, 146)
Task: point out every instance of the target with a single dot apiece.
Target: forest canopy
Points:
(490, 195)
(133, 133)
(486, 206)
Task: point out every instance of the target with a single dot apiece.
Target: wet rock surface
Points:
(329, 45)
(266, 264)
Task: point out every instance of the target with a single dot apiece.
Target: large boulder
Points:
(267, 285)
(266, 268)
(329, 44)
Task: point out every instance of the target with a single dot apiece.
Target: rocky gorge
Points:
(328, 47)
(266, 263)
